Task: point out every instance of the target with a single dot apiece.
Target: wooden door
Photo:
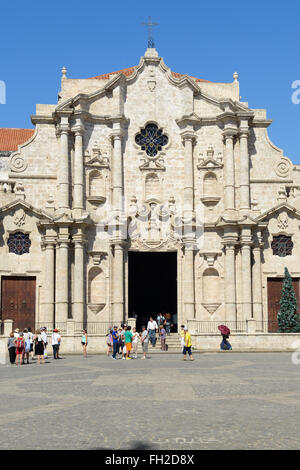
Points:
(18, 301)
(274, 293)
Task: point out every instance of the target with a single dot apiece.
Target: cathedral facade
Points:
(146, 191)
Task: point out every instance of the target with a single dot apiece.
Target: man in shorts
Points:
(128, 340)
(187, 345)
(144, 341)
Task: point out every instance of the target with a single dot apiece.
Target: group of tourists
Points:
(120, 341)
(25, 344)
(124, 342)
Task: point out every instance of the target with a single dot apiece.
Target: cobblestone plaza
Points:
(219, 401)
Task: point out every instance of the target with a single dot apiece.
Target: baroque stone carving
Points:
(19, 217)
(17, 163)
(283, 221)
(283, 167)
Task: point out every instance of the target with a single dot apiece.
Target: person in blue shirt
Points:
(115, 338)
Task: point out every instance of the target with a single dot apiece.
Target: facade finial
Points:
(149, 24)
(64, 73)
(236, 76)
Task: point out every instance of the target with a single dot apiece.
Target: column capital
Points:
(229, 243)
(188, 136)
(79, 239)
(118, 243)
(244, 132)
(117, 134)
(229, 133)
(78, 130)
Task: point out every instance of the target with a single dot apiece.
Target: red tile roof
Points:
(130, 71)
(11, 138)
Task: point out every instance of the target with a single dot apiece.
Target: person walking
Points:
(45, 340)
(187, 345)
(55, 340)
(84, 342)
(182, 337)
(128, 340)
(20, 347)
(27, 345)
(39, 346)
(152, 330)
(31, 342)
(145, 341)
(11, 345)
(163, 336)
(135, 342)
(115, 339)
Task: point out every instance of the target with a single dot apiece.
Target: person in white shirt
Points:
(152, 329)
(135, 342)
(16, 333)
(55, 343)
(45, 340)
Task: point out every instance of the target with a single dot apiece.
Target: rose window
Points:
(151, 139)
(282, 245)
(19, 243)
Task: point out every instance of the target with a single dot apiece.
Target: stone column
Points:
(229, 184)
(246, 280)
(63, 168)
(78, 168)
(244, 167)
(47, 312)
(79, 297)
(118, 282)
(188, 141)
(188, 283)
(62, 276)
(257, 285)
(117, 172)
(230, 287)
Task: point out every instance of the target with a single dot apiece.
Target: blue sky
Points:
(211, 40)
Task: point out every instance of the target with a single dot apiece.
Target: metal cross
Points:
(149, 24)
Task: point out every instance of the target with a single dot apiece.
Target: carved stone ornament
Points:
(283, 221)
(151, 85)
(19, 218)
(283, 167)
(17, 163)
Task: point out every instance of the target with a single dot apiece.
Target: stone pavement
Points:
(219, 401)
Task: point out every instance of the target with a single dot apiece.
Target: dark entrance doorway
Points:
(18, 301)
(152, 286)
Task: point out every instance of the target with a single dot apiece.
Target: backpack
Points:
(19, 343)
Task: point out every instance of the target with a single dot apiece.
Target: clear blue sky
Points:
(259, 39)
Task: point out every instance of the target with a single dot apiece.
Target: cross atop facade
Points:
(149, 24)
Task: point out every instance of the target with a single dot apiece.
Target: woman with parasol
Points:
(225, 332)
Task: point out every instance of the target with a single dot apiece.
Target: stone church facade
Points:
(146, 160)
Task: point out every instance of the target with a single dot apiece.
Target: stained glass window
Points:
(19, 243)
(282, 245)
(151, 139)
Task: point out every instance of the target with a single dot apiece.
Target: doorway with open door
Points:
(152, 287)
